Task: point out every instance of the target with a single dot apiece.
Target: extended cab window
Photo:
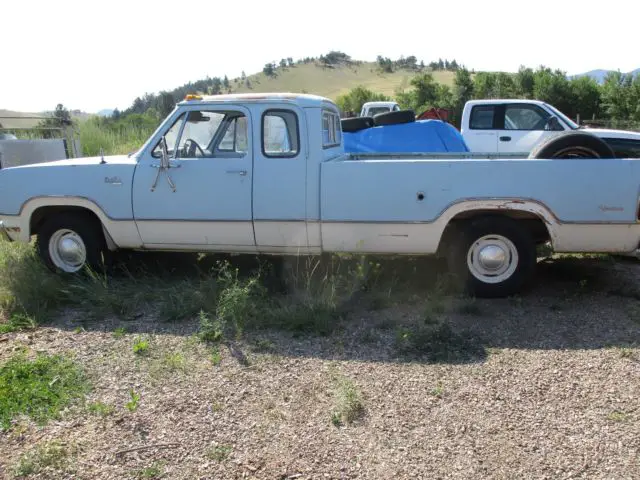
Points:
(482, 117)
(280, 134)
(331, 129)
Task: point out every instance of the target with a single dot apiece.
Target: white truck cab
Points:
(370, 109)
(518, 125)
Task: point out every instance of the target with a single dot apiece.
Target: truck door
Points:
(204, 199)
(525, 125)
(482, 134)
(279, 181)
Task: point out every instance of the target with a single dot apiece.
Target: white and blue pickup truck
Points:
(268, 174)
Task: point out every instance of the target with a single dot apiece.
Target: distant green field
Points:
(332, 82)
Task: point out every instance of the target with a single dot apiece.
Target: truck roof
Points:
(302, 99)
(505, 100)
(382, 104)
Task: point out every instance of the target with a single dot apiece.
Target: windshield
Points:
(573, 125)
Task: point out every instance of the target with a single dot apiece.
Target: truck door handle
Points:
(238, 172)
(505, 139)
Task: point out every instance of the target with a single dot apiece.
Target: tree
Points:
(462, 91)
(283, 63)
(61, 119)
(356, 97)
(165, 104)
(524, 82)
(243, 75)
(225, 83)
(585, 97)
(268, 70)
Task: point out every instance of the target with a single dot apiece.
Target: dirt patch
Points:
(544, 385)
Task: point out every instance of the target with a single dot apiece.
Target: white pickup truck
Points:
(518, 126)
(268, 173)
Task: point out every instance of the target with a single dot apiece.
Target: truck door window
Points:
(235, 137)
(198, 134)
(482, 117)
(524, 117)
(280, 134)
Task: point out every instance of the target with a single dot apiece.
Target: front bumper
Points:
(4, 234)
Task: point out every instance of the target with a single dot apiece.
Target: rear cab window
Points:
(331, 129)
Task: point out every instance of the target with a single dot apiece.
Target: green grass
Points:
(348, 403)
(114, 142)
(219, 453)
(39, 388)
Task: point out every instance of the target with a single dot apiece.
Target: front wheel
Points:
(67, 243)
(493, 257)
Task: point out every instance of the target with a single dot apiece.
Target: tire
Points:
(572, 144)
(81, 233)
(511, 238)
(394, 118)
(355, 124)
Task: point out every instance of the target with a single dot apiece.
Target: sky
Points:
(92, 55)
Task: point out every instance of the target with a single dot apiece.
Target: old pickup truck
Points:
(268, 174)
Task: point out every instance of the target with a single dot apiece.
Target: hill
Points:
(599, 75)
(331, 82)
(25, 122)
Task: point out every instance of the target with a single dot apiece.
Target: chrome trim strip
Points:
(390, 222)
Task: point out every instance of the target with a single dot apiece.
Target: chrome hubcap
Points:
(492, 259)
(67, 250)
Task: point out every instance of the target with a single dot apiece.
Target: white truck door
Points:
(210, 208)
(525, 125)
(481, 134)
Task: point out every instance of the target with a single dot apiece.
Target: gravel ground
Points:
(550, 391)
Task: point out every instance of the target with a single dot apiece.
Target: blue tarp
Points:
(421, 136)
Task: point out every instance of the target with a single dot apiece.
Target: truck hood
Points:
(81, 162)
(611, 133)
(106, 184)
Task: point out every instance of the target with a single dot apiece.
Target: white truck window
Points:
(524, 117)
(198, 133)
(280, 135)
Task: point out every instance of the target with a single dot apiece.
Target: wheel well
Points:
(41, 214)
(532, 222)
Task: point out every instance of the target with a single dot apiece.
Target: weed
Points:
(437, 391)
(174, 361)
(119, 332)
(155, 470)
(348, 402)
(132, 405)
(100, 409)
(18, 322)
(52, 455)
(618, 416)
(210, 330)
(219, 453)
(216, 357)
(141, 347)
(39, 388)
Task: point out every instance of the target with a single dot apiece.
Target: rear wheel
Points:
(68, 242)
(493, 257)
(572, 144)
